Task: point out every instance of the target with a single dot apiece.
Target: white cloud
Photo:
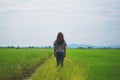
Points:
(38, 21)
(35, 5)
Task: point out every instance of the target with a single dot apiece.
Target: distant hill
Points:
(79, 45)
(90, 46)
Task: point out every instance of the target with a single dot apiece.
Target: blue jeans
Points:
(60, 58)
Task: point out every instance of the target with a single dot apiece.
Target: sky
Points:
(37, 22)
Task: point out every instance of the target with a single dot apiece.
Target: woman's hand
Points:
(64, 55)
(55, 54)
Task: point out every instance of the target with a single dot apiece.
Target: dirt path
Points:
(49, 71)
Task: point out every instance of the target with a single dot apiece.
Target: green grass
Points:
(100, 64)
(79, 64)
(19, 63)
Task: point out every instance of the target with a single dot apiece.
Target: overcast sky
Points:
(37, 22)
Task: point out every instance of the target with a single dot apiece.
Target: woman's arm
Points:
(54, 51)
(65, 51)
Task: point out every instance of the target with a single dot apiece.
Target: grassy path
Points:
(49, 71)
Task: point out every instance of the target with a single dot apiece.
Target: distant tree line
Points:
(97, 48)
(17, 47)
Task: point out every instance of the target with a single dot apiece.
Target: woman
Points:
(60, 49)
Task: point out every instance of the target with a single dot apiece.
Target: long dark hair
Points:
(60, 38)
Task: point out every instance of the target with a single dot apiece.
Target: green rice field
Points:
(100, 64)
(40, 64)
(16, 64)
